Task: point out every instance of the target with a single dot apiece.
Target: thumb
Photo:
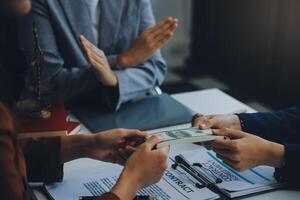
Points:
(231, 133)
(213, 122)
(199, 121)
(152, 142)
(207, 122)
(134, 133)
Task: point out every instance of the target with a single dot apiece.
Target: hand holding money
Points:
(244, 150)
(231, 121)
(188, 135)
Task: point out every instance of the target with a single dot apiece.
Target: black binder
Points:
(144, 114)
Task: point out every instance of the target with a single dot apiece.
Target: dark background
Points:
(251, 45)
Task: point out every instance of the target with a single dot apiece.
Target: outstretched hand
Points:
(99, 63)
(145, 167)
(244, 150)
(217, 121)
(148, 43)
(115, 146)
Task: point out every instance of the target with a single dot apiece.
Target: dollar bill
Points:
(189, 135)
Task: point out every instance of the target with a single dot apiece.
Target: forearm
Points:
(65, 77)
(126, 187)
(74, 147)
(137, 81)
(113, 61)
(65, 84)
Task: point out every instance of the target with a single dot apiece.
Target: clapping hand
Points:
(148, 43)
(99, 63)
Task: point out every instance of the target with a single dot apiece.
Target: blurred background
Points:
(249, 49)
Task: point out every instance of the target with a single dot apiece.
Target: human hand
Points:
(99, 63)
(217, 121)
(246, 151)
(145, 167)
(115, 145)
(148, 43)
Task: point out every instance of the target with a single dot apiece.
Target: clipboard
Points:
(203, 176)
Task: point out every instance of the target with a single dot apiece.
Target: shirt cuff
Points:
(254, 123)
(289, 172)
(108, 196)
(113, 62)
(112, 97)
(126, 91)
(247, 122)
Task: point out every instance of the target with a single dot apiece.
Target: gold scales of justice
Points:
(36, 107)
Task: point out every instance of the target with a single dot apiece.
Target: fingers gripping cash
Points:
(189, 135)
(142, 179)
(198, 174)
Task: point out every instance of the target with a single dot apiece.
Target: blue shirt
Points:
(66, 70)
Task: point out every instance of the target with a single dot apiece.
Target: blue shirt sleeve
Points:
(137, 81)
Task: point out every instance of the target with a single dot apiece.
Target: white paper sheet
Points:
(234, 183)
(173, 186)
(234, 186)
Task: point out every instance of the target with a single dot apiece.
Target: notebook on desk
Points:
(144, 114)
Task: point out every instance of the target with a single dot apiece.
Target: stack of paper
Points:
(174, 185)
(234, 184)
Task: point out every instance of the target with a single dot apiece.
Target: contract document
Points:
(174, 185)
(232, 183)
(177, 182)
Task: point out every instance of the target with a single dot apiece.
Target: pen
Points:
(215, 178)
(87, 198)
(136, 198)
(185, 165)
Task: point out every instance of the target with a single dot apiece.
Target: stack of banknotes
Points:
(188, 135)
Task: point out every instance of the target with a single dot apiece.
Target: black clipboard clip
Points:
(204, 176)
